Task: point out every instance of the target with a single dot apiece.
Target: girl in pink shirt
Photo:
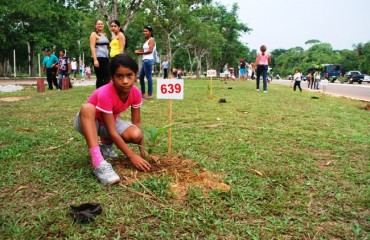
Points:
(99, 117)
(263, 61)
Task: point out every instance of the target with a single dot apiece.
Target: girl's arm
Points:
(93, 37)
(122, 42)
(138, 161)
(136, 120)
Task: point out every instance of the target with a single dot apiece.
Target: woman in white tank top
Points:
(146, 70)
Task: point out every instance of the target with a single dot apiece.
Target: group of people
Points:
(58, 68)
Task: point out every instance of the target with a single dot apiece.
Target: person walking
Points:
(165, 68)
(263, 61)
(297, 80)
(74, 68)
(50, 63)
(242, 66)
(64, 68)
(148, 60)
(118, 42)
(99, 52)
(317, 76)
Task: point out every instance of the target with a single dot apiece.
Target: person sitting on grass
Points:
(99, 117)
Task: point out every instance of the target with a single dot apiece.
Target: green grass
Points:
(313, 154)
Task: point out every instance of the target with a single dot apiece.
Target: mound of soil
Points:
(185, 173)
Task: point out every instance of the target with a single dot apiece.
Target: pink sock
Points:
(96, 156)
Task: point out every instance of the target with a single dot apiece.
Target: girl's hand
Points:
(140, 163)
(154, 158)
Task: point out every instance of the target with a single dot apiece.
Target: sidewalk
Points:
(12, 85)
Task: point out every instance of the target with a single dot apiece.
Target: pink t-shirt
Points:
(106, 99)
(263, 59)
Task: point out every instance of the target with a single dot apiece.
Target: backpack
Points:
(156, 57)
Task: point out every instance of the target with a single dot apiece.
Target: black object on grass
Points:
(85, 212)
(222, 100)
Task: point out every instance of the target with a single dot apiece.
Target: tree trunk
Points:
(32, 62)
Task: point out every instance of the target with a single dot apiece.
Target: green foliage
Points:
(153, 134)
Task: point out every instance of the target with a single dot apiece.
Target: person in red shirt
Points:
(99, 117)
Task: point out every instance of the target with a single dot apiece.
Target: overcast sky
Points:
(290, 23)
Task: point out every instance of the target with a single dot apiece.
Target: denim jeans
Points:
(262, 69)
(146, 71)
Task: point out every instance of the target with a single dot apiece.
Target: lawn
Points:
(279, 165)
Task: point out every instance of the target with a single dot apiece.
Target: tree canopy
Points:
(193, 34)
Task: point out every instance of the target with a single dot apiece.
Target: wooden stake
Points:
(169, 123)
(211, 88)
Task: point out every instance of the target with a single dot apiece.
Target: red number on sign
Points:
(171, 90)
(177, 88)
(164, 89)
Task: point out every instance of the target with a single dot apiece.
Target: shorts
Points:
(242, 71)
(102, 131)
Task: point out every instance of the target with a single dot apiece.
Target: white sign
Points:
(211, 73)
(324, 82)
(170, 89)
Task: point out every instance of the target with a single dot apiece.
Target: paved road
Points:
(355, 91)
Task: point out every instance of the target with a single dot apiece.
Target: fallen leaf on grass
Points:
(25, 129)
(214, 125)
(328, 163)
(258, 172)
(53, 148)
(20, 188)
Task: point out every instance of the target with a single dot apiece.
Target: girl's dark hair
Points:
(150, 29)
(122, 60)
(121, 30)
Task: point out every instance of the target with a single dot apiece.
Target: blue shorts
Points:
(102, 131)
(242, 71)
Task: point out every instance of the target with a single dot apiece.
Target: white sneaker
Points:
(107, 150)
(265, 91)
(257, 90)
(106, 174)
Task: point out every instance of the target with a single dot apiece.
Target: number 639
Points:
(170, 88)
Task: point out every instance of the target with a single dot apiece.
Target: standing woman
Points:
(118, 42)
(146, 69)
(263, 61)
(99, 52)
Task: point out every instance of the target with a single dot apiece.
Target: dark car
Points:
(359, 78)
(350, 74)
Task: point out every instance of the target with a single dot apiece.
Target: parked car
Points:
(350, 74)
(359, 78)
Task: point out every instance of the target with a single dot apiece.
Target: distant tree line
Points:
(195, 35)
(284, 61)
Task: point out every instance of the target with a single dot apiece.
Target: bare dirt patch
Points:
(14, 99)
(185, 174)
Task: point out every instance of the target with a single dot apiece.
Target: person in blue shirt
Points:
(50, 63)
(165, 68)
